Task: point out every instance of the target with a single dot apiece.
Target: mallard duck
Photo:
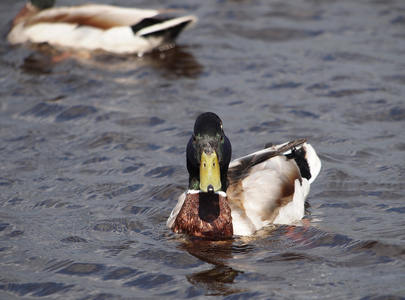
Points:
(118, 30)
(227, 198)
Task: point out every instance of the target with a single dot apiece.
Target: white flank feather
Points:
(121, 16)
(176, 210)
(261, 190)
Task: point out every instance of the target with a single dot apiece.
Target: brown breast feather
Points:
(205, 215)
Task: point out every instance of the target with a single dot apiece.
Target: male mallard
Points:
(238, 198)
(113, 29)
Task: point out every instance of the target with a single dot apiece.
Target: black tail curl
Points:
(299, 155)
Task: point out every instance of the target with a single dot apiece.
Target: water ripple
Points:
(82, 269)
(93, 155)
(40, 289)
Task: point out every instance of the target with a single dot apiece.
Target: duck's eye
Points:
(204, 165)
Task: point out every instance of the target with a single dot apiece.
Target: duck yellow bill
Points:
(210, 177)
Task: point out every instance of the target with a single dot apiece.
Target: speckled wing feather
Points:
(238, 169)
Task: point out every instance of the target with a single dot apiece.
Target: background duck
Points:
(240, 197)
(118, 30)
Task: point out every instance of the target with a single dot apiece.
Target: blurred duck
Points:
(109, 28)
(227, 198)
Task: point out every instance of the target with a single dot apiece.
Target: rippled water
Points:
(93, 155)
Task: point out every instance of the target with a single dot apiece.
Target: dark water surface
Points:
(92, 155)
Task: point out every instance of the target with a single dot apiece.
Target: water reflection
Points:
(219, 279)
(178, 61)
(174, 62)
(216, 281)
(230, 258)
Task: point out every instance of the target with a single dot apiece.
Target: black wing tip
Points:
(145, 23)
(169, 34)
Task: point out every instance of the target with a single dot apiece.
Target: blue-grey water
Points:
(92, 155)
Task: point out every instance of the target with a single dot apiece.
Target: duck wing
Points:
(241, 167)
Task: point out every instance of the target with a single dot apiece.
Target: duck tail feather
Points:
(307, 161)
(168, 29)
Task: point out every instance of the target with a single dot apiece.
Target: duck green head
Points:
(43, 4)
(208, 155)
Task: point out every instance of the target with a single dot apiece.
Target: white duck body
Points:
(98, 27)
